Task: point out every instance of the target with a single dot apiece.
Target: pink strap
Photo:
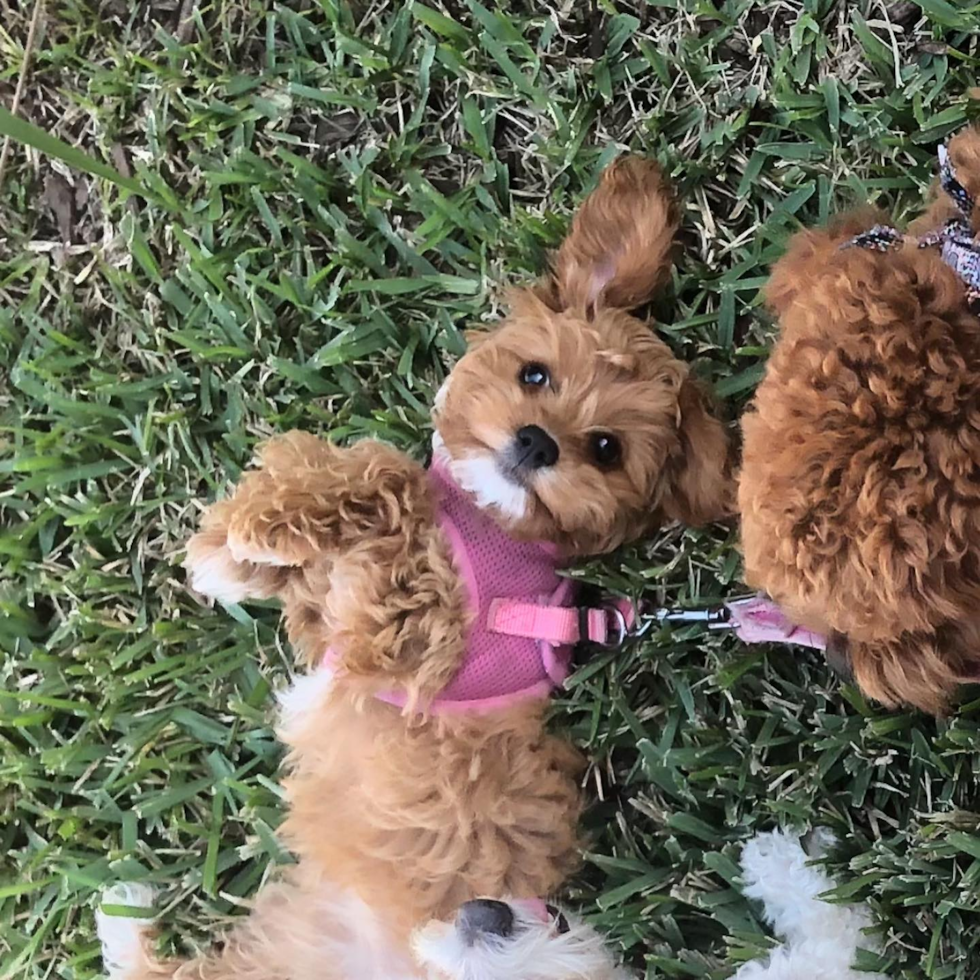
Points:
(760, 620)
(560, 625)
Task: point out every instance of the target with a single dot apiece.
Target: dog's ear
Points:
(700, 487)
(920, 669)
(618, 249)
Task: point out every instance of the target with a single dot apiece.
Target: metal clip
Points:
(623, 629)
(717, 618)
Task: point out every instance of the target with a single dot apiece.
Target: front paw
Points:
(261, 535)
(213, 569)
(218, 570)
(243, 549)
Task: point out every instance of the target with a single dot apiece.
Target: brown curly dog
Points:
(860, 483)
(570, 424)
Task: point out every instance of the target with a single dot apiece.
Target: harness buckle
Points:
(611, 612)
(621, 625)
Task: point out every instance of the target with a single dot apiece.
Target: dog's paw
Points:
(245, 550)
(777, 872)
(123, 937)
(213, 569)
(771, 854)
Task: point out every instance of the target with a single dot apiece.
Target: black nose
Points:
(484, 917)
(534, 448)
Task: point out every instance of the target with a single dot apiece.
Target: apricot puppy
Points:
(428, 603)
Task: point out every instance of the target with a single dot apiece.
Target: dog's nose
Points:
(534, 448)
(484, 917)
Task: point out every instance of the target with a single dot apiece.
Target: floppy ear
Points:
(700, 488)
(618, 249)
(920, 669)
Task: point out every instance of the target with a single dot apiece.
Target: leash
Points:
(753, 619)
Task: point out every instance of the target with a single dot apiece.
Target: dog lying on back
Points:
(428, 603)
(860, 485)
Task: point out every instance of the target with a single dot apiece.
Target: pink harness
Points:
(524, 620)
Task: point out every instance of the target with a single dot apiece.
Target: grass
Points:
(338, 190)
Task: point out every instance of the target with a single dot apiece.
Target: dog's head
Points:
(571, 421)
(515, 940)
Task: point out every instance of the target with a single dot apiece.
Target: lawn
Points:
(338, 190)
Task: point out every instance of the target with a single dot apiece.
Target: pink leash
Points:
(755, 619)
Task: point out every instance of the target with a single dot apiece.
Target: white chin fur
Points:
(534, 952)
(477, 474)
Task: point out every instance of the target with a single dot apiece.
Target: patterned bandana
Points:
(958, 247)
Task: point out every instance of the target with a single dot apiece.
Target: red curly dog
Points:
(860, 484)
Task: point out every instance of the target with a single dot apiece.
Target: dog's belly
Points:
(418, 817)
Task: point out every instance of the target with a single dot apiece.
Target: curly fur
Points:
(860, 489)
(304, 926)
(821, 939)
(422, 813)
(421, 817)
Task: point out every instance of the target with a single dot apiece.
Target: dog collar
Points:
(525, 620)
(955, 240)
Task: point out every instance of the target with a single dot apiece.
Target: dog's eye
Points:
(534, 375)
(561, 923)
(606, 449)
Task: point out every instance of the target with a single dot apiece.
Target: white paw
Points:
(216, 574)
(242, 551)
(772, 857)
(123, 936)
(300, 702)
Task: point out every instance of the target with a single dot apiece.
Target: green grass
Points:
(339, 190)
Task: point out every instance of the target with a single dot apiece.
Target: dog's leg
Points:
(214, 570)
(128, 941)
(301, 927)
(308, 499)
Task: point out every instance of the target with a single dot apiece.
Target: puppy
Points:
(428, 602)
(305, 928)
(859, 492)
